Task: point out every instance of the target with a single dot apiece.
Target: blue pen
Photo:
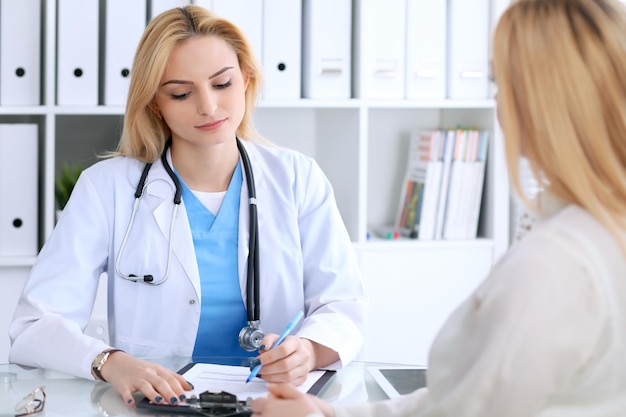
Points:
(280, 339)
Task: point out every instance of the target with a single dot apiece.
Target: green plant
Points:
(64, 185)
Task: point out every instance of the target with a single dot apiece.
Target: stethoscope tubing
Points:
(252, 283)
(252, 278)
(170, 246)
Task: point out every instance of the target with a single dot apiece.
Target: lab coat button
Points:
(192, 302)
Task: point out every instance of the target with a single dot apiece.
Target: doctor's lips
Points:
(211, 125)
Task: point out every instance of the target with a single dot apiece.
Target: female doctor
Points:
(197, 263)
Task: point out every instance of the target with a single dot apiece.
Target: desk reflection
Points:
(69, 396)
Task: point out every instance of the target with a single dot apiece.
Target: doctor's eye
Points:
(224, 85)
(180, 96)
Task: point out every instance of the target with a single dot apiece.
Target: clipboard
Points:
(241, 409)
(228, 380)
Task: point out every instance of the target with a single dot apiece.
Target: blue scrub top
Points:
(215, 239)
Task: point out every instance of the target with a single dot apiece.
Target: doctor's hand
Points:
(159, 384)
(293, 359)
(286, 401)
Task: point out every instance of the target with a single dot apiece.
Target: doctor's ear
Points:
(155, 110)
(246, 79)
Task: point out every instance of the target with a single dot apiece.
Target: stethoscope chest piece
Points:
(250, 337)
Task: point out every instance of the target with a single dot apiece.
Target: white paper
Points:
(232, 379)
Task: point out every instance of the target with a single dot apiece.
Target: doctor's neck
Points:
(206, 167)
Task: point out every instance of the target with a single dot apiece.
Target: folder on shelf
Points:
(77, 53)
(426, 50)
(480, 141)
(125, 23)
(380, 48)
(19, 186)
(452, 228)
(282, 48)
(327, 49)
(466, 185)
(248, 16)
(497, 8)
(417, 213)
(449, 141)
(159, 6)
(468, 46)
(20, 52)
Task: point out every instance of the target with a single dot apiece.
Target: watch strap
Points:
(96, 368)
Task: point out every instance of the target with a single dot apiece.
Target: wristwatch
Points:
(100, 360)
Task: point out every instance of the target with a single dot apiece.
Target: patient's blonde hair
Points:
(560, 66)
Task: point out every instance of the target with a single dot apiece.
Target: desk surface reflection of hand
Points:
(70, 396)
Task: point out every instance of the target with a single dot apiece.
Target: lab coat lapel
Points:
(162, 197)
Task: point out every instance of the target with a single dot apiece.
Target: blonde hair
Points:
(144, 133)
(560, 66)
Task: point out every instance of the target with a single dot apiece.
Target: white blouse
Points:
(544, 335)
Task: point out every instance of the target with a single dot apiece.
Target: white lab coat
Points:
(543, 336)
(306, 261)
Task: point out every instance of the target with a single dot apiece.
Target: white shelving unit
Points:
(361, 145)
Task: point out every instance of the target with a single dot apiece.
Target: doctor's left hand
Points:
(159, 384)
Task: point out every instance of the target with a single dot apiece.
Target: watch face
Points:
(99, 360)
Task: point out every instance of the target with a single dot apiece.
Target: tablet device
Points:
(396, 381)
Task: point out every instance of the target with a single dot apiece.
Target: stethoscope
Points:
(250, 335)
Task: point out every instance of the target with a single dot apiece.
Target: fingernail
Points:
(262, 347)
(255, 363)
(130, 401)
(191, 385)
(173, 400)
(182, 397)
(158, 399)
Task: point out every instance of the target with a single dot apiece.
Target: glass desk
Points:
(70, 396)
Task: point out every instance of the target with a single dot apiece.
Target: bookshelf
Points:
(361, 145)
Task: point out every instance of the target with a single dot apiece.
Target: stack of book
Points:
(443, 184)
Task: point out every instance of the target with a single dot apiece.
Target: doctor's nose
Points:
(207, 102)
